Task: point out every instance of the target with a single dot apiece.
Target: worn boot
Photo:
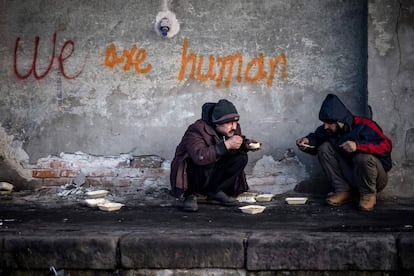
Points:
(222, 198)
(339, 198)
(190, 204)
(367, 202)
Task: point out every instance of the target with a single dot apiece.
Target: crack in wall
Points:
(395, 96)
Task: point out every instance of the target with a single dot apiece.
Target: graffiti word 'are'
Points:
(128, 58)
(254, 71)
(66, 52)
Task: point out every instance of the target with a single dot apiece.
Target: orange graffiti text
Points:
(128, 58)
(220, 69)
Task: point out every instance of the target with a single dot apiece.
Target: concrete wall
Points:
(391, 83)
(94, 77)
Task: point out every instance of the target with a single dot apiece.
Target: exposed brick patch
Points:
(123, 173)
(119, 183)
(81, 164)
(69, 173)
(100, 172)
(147, 161)
(131, 173)
(59, 164)
(104, 182)
(45, 173)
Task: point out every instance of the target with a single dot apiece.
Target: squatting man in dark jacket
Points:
(353, 151)
(211, 157)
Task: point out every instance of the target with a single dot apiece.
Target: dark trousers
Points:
(364, 172)
(220, 176)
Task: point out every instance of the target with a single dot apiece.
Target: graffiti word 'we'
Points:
(254, 71)
(66, 52)
(128, 58)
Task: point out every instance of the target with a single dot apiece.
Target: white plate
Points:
(97, 194)
(252, 209)
(296, 200)
(264, 197)
(110, 206)
(246, 199)
(93, 202)
(4, 186)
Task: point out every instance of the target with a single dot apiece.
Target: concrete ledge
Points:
(406, 251)
(321, 251)
(76, 252)
(230, 251)
(183, 250)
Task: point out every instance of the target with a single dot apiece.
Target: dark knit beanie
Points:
(224, 112)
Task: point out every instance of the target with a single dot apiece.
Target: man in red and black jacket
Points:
(353, 151)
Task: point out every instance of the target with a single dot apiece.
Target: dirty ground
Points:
(43, 211)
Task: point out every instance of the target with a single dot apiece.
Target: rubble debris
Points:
(79, 180)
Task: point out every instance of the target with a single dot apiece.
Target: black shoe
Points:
(223, 199)
(190, 204)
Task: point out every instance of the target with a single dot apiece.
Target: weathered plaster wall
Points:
(95, 77)
(391, 83)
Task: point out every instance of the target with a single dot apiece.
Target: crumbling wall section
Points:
(123, 174)
(12, 158)
(391, 84)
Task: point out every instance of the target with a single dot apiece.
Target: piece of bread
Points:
(253, 146)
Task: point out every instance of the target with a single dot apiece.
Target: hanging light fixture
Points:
(166, 23)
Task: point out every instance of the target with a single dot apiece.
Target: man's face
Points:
(227, 129)
(330, 128)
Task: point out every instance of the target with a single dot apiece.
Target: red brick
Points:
(69, 173)
(122, 183)
(146, 161)
(100, 172)
(45, 173)
(59, 164)
(100, 181)
(81, 164)
(43, 164)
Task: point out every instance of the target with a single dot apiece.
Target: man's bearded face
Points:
(330, 128)
(227, 129)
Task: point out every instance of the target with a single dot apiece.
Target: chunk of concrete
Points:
(181, 250)
(76, 252)
(321, 251)
(406, 251)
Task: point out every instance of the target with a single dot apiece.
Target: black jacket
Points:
(366, 133)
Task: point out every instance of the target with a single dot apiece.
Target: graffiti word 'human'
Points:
(128, 58)
(253, 72)
(67, 46)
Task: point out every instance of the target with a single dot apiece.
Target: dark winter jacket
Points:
(366, 133)
(204, 146)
